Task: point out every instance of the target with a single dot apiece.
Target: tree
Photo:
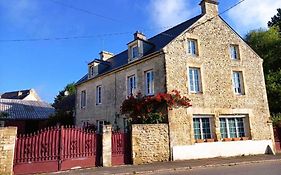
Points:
(276, 20)
(64, 105)
(267, 44)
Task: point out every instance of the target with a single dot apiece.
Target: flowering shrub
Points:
(153, 109)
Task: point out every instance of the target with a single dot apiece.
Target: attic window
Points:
(135, 52)
(192, 47)
(92, 71)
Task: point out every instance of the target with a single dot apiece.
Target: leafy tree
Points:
(64, 105)
(267, 44)
(276, 20)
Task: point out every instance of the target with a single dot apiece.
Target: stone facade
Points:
(7, 147)
(217, 97)
(114, 91)
(150, 143)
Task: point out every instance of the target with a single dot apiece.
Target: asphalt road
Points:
(265, 168)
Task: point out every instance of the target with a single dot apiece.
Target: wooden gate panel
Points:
(277, 138)
(78, 148)
(121, 148)
(35, 153)
(55, 149)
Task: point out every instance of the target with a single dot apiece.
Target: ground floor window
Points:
(232, 127)
(100, 124)
(202, 127)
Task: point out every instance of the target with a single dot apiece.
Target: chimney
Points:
(209, 7)
(139, 35)
(104, 55)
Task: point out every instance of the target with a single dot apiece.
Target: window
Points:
(238, 83)
(2, 123)
(149, 83)
(202, 128)
(98, 95)
(135, 52)
(192, 47)
(234, 52)
(83, 99)
(194, 80)
(131, 85)
(92, 70)
(100, 124)
(232, 127)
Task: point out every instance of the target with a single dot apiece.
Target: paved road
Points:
(265, 168)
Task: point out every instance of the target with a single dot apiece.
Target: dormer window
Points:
(135, 52)
(92, 71)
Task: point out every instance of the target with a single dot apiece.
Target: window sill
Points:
(196, 93)
(235, 139)
(205, 140)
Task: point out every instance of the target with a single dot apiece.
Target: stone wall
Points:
(217, 97)
(150, 143)
(7, 146)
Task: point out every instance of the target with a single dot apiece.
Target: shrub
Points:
(152, 109)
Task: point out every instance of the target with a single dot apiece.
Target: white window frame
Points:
(190, 49)
(234, 48)
(200, 117)
(133, 57)
(149, 85)
(131, 90)
(238, 83)
(98, 95)
(236, 124)
(83, 99)
(193, 80)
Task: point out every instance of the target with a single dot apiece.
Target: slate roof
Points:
(15, 94)
(159, 41)
(25, 110)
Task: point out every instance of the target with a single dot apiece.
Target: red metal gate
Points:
(277, 138)
(55, 149)
(121, 148)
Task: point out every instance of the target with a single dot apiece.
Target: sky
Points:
(46, 44)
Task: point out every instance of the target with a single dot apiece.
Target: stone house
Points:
(206, 60)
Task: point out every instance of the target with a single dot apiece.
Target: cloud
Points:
(169, 12)
(253, 14)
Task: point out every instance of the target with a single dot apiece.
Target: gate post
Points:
(106, 145)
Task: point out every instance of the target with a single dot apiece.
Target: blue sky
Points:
(47, 66)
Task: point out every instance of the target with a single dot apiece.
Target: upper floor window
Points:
(132, 85)
(234, 52)
(194, 80)
(192, 47)
(135, 52)
(232, 127)
(83, 99)
(149, 83)
(237, 79)
(202, 127)
(92, 71)
(98, 94)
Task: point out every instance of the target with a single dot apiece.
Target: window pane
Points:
(206, 128)
(232, 128)
(240, 127)
(196, 126)
(223, 129)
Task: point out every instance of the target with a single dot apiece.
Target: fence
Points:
(121, 148)
(57, 148)
(277, 138)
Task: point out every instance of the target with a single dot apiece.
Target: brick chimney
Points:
(104, 55)
(209, 7)
(139, 35)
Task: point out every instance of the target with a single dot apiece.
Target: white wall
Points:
(221, 149)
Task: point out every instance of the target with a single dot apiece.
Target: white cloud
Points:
(253, 14)
(169, 12)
